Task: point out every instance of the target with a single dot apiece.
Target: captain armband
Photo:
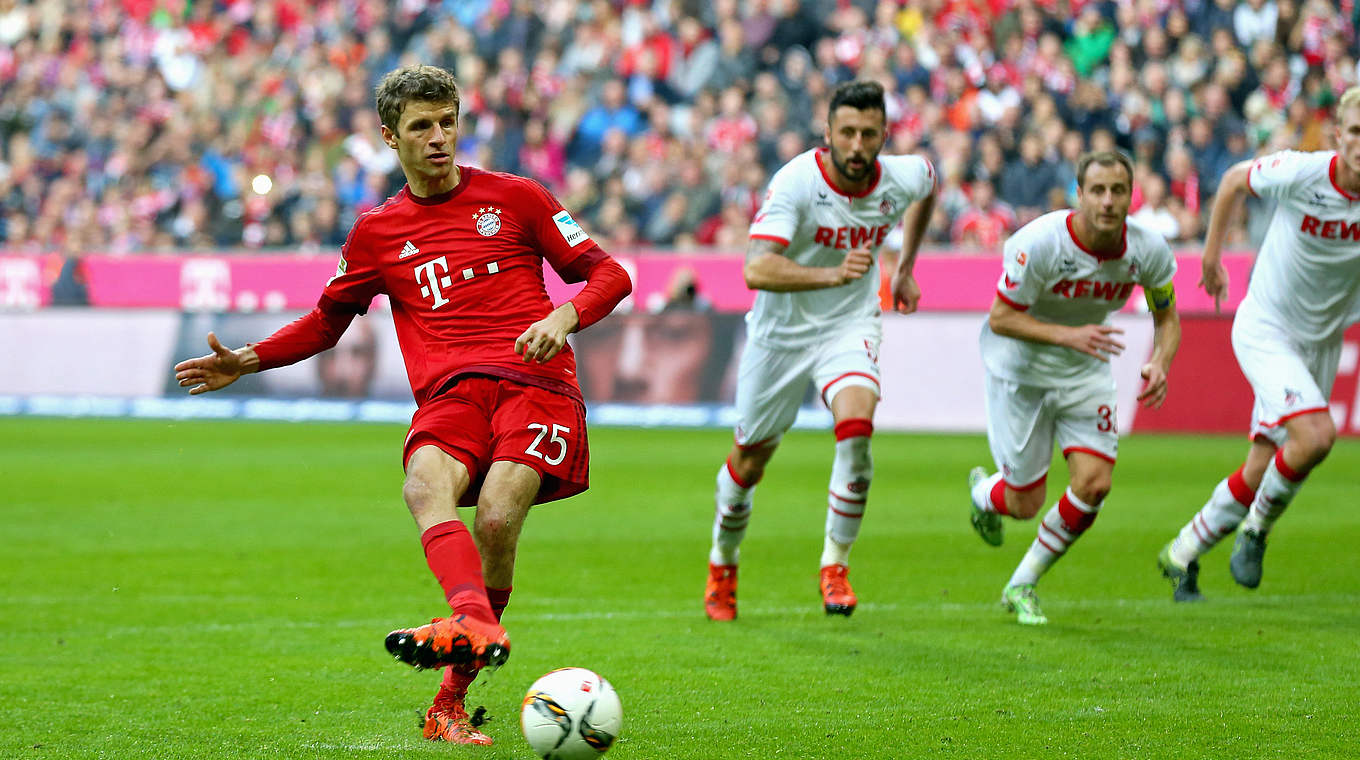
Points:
(1160, 299)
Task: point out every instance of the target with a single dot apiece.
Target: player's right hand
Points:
(212, 372)
(1214, 280)
(857, 262)
(1096, 340)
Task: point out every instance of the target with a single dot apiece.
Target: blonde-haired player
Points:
(1046, 348)
(1287, 335)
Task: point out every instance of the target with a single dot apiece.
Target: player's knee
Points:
(749, 464)
(1092, 489)
(417, 492)
(1316, 443)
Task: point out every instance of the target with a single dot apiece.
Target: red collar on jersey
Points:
(1331, 175)
(878, 173)
(464, 174)
(1102, 255)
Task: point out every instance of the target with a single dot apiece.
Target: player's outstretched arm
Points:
(216, 370)
(1093, 340)
(767, 268)
(1166, 340)
(906, 292)
(1214, 276)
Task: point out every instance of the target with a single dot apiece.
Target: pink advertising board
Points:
(281, 281)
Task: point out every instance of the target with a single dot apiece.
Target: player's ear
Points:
(389, 137)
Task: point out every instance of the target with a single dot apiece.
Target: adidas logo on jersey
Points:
(408, 250)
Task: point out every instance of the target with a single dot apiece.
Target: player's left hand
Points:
(545, 338)
(1154, 393)
(906, 293)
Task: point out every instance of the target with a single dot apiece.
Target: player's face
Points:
(425, 139)
(1348, 138)
(1104, 197)
(855, 136)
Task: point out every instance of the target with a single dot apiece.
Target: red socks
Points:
(452, 556)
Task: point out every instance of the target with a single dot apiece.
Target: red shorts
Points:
(480, 420)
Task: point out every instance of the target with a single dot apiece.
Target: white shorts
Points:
(773, 380)
(1024, 420)
(1290, 377)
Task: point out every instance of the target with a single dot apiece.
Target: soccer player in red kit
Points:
(500, 422)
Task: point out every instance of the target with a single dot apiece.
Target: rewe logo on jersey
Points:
(1333, 229)
(1109, 291)
(408, 250)
(844, 238)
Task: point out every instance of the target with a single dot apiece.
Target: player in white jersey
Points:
(1046, 347)
(1287, 335)
(813, 258)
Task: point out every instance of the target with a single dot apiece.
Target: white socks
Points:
(1063, 525)
(1218, 517)
(1278, 487)
(852, 471)
(730, 518)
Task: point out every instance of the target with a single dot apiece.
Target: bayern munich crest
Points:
(488, 221)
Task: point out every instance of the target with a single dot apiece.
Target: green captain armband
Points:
(1160, 299)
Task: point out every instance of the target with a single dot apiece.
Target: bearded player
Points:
(1287, 336)
(499, 423)
(1046, 348)
(812, 258)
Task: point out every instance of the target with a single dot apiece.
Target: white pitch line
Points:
(803, 610)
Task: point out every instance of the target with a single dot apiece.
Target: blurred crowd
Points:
(167, 125)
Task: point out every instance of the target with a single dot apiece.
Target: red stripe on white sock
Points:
(1239, 488)
(732, 473)
(998, 497)
(1285, 470)
(855, 427)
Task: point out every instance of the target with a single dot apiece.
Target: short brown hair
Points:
(1104, 158)
(429, 84)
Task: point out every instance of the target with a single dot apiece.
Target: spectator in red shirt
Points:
(986, 222)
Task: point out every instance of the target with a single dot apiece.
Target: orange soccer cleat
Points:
(720, 593)
(837, 595)
(457, 640)
(447, 720)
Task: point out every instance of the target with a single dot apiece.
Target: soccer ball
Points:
(571, 714)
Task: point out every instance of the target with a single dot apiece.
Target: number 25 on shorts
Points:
(554, 439)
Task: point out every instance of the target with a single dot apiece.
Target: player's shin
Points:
(1278, 487)
(1220, 516)
(1060, 528)
(453, 558)
(732, 514)
(852, 471)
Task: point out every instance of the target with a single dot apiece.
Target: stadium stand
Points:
(171, 125)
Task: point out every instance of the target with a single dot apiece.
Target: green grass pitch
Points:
(222, 589)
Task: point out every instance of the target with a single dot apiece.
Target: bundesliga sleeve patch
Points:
(339, 269)
(571, 231)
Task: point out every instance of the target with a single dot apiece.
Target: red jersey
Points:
(464, 273)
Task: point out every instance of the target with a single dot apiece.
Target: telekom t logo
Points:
(431, 281)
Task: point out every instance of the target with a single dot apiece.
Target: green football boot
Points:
(1024, 602)
(987, 523)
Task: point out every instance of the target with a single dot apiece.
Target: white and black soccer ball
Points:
(571, 714)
